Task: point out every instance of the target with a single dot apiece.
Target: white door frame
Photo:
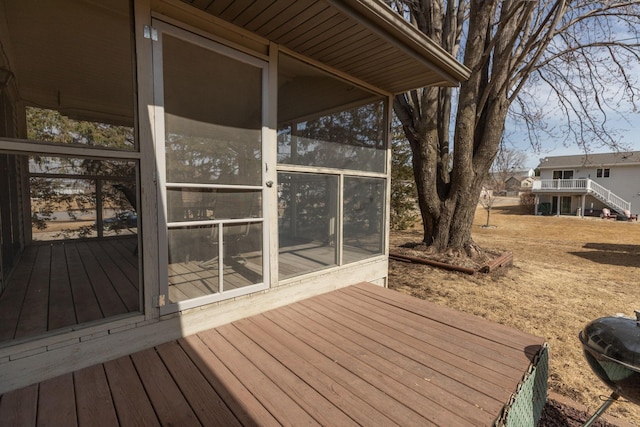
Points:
(267, 174)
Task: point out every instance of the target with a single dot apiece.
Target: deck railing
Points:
(583, 185)
(561, 184)
(613, 200)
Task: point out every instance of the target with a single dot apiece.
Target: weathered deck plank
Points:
(286, 411)
(120, 282)
(61, 312)
(10, 300)
(304, 396)
(84, 299)
(93, 398)
(20, 407)
(33, 316)
(56, 403)
(129, 397)
(490, 331)
(361, 355)
(412, 408)
(276, 340)
(441, 393)
(205, 402)
(61, 284)
(242, 402)
(448, 342)
(165, 396)
(110, 302)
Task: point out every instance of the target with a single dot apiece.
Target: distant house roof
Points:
(591, 160)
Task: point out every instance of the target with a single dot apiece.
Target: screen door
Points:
(209, 133)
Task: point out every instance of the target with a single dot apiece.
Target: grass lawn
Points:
(567, 271)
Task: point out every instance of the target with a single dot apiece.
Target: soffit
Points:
(362, 38)
(72, 56)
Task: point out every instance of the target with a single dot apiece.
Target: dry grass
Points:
(567, 272)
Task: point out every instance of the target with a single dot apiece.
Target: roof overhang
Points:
(361, 38)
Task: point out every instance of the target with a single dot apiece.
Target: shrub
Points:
(528, 203)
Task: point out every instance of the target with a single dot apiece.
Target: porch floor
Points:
(362, 355)
(61, 284)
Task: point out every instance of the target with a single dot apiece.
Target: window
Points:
(566, 174)
(326, 122)
(307, 214)
(68, 204)
(331, 170)
(602, 173)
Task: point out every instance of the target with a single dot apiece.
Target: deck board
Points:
(286, 411)
(402, 370)
(33, 316)
(397, 412)
(205, 402)
(449, 343)
(418, 361)
(110, 302)
(61, 311)
(129, 397)
(84, 299)
(304, 396)
(342, 350)
(243, 403)
(361, 355)
(126, 290)
(60, 284)
(165, 396)
(20, 407)
(93, 398)
(276, 340)
(12, 297)
(490, 331)
(56, 403)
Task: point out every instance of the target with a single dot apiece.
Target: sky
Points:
(611, 96)
(626, 127)
(629, 136)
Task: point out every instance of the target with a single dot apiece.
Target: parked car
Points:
(125, 219)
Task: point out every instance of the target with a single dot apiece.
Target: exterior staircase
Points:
(615, 202)
(582, 186)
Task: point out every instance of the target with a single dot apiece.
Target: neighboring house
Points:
(526, 183)
(512, 185)
(585, 184)
(255, 138)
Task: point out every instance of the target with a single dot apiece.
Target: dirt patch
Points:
(556, 414)
(567, 271)
(418, 249)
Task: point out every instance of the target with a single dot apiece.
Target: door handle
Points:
(269, 183)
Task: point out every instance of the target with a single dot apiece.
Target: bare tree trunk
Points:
(506, 41)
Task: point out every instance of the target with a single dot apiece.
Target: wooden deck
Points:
(61, 284)
(362, 355)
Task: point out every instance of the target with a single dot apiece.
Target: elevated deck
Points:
(362, 355)
(581, 187)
